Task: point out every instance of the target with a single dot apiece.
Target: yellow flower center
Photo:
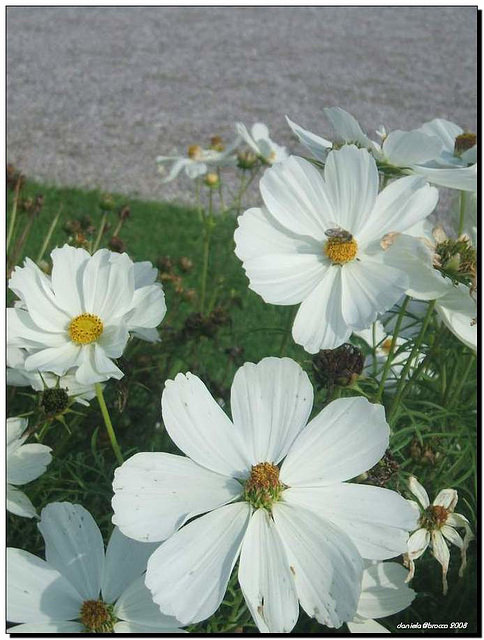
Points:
(195, 152)
(97, 616)
(263, 487)
(464, 142)
(85, 328)
(340, 250)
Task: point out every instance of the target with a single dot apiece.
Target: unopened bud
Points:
(216, 143)
(54, 402)
(106, 203)
(194, 152)
(117, 245)
(212, 180)
(246, 159)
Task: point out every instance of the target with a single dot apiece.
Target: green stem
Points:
(13, 215)
(48, 237)
(118, 228)
(197, 196)
(108, 423)
(100, 232)
(208, 223)
(220, 190)
(238, 198)
(462, 211)
(463, 379)
(388, 363)
(403, 375)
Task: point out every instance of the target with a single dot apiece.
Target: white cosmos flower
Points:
(82, 315)
(300, 529)
(429, 150)
(380, 342)
(198, 161)
(18, 376)
(383, 592)
(25, 462)
(437, 523)
(260, 142)
(79, 588)
(317, 242)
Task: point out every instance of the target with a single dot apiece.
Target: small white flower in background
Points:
(384, 592)
(259, 141)
(18, 376)
(435, 150)
(82, 315)
(380, 342)
(199, 161)
(79, 588)
(25, 462)
(300, 529)
(317, 242)
(437, 523)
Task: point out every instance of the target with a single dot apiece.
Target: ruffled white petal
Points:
(199, 427)
(458, 310)
(74, 546)
(464, 178)
(68, 264)
(325, 564)
(188, 574)
(404, 148)
(265, 577)
(270, 402)
(296, 195)
(319, 322)
(384, 590)
(377, 520)
(24, 333)
(125, 561)
(149, 307)
(155, 493)
(36, 592)
(316, 145)
(347, 437)
(347, 127)
(57, 360)
(444, 130)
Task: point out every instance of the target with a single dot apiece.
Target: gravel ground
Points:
(95, 94)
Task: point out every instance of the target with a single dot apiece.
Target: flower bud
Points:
(216, 143)
(194, 152)
(106, 203)
(117, 245)
(212, 180)
(54, 402)
(246, 159)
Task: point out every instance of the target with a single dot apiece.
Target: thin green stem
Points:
(197, 198)
(388, 363)
(207, 234)
(108, 423)
(463, 379)
(48, 237)
(403, 375)
(13, 215)
(220, 190)
(100, 232)
(462, 212)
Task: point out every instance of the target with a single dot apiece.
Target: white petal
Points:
(326, 566)
(271, 402)
(346, 126)
(95, 366)
(441, 553)
(33, 287)
(366, 626)
(113, 341)
(418, 543)
(15, 434)
(282, 267)
(464, 178)
(176, 167)
(347, 437)
(444, 130)
(368, 289)
(74, 546)
(402, 204)
(27, 463)
(155, 493)
(36, 592)
(125, 561)
(419, 491)
(47, 628)
(23, 332)
(377, 520)
(149, 307)
(446, 498)
(458, 310)
(316, 145)
(188, 574)
(319, 322)
(404, 148)
(136, 605)
(138, 629)
(19, 504)
(56, 359)
(265, 577)
(296, 195)
(352, 181)
(452, 536)
(384, 590)
(199, 427)
(144, 274)
(68, 264)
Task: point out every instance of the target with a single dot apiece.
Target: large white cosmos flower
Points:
(316, 242)
(300, 529)
(82, 315)
(440, 150)
(25, 462)
(260, 142)
(383, 592)
(79, 588)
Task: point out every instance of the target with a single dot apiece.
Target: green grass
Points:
(433, 433)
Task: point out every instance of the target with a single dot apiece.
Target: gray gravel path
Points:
(95, 94)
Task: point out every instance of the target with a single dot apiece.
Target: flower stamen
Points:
(341, 250)
(85, 328)
(434, 517)
(97, 616)
(263, 488)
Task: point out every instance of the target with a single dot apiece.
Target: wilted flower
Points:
(340, 366)
(437, 523)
